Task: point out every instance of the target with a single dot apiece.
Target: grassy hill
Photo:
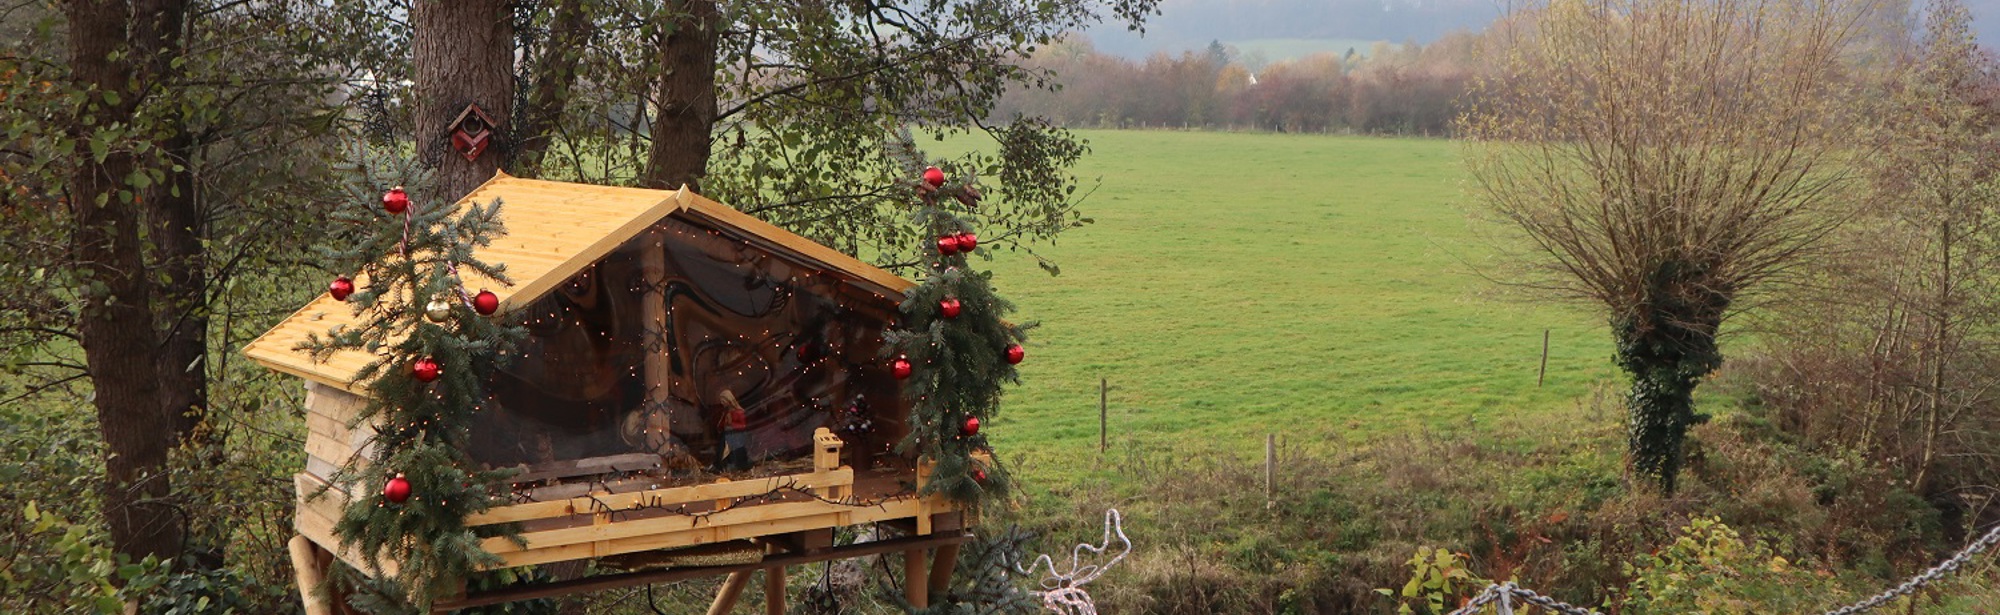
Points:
(1235, 285)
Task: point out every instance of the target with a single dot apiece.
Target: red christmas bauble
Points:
(949, 245)
(970, 428)
(340, 288)
(1015, 353)
(949, 308)
(933, 176)
(395, 200)
(967, 241)
(425, 369)
(486, 303)
(901, 368)
(397, 489)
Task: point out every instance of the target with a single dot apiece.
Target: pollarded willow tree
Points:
(1665, 160)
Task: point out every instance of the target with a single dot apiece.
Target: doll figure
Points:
(735, 427)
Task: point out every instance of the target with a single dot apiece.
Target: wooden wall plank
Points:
(324, 448)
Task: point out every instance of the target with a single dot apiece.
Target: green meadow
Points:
(1322, 288)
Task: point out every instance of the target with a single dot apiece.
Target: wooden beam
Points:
(916, 586)
(801, 542)
(774, 590)
(604, 582)
(725, 598)
(311, 575)
(942, 565)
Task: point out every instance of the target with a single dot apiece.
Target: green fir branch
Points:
(402, 263)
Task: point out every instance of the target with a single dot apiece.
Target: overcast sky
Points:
(1189, 24)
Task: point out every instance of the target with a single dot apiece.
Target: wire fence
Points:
(1503, 598)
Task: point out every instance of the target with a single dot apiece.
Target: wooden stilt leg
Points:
(774, 591)
(732, 587)
(311, 573)
(942, 565)
(916, 587)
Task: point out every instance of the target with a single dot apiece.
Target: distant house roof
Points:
(554, 230)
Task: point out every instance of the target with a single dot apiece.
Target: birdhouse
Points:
(692, 377)
(826, 450)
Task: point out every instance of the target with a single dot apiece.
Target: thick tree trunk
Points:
(182, 303)
(687, 107)
(553, 74)
(117, 329)
(180, 308)
(463, 54)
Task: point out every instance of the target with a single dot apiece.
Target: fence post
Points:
(1544, 373)
(1270, 471)
(1103, 414)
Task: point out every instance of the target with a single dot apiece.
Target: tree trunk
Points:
(182, 304)
(116, 317)
(1668, 347)
(1941, 315)
(463, 54)
(554, 73)
(687, 107)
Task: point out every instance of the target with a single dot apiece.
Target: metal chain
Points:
(1503, 593)
(1929, 576)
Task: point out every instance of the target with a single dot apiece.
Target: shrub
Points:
(1712, 569)
(1439, 582)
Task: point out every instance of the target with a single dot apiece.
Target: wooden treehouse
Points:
(700, 393)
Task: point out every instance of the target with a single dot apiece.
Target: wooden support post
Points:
(774, 591)
(732, 587)
(306, 564)
(656, 422)
(916, 587)
(943, 563)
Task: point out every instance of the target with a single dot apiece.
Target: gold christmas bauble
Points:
(437, 311)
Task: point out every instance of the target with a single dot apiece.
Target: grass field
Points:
(1235, 285)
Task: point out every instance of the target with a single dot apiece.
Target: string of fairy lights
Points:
(788, 489)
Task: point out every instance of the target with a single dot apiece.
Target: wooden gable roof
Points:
(554, 230)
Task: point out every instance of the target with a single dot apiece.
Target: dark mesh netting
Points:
(642, 352)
